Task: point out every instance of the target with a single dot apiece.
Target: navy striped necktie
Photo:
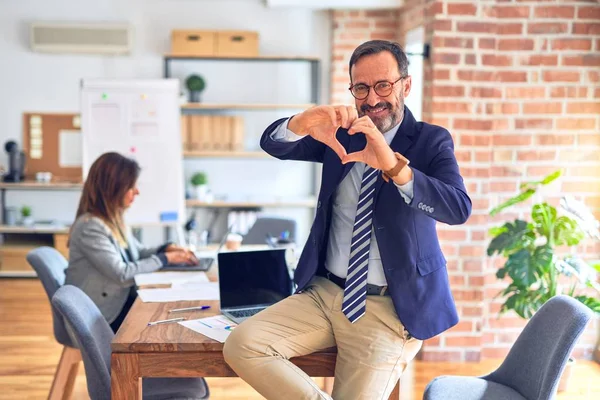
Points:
(355, 292)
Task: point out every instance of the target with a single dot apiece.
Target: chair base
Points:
(66, 373)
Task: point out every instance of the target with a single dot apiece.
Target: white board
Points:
(139, 119)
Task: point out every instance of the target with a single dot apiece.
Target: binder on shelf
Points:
(215, 133)
(206, 132)
(237, 134)
(185, 132)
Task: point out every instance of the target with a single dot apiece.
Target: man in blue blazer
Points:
(372, 278)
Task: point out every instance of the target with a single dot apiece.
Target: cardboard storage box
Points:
(193, 43)
(237, 44)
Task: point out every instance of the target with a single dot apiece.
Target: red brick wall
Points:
(517, 83)
(351, 28)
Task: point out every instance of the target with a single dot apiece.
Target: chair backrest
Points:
(93, 335)
(50, 265)
(535, 363)
(273, 226)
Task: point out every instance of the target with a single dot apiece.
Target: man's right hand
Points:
(322, 122)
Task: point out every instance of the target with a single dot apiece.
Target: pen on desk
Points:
(190, 309)
(166, 321)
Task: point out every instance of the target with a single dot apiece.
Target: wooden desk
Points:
(171, 350)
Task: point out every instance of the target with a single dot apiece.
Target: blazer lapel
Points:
(401, 142)
(123, 254)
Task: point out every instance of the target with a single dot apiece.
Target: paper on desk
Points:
(200, 291)
(188, 285)
(158, 278)
(216, 328)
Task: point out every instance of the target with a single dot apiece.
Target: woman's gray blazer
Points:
(99, 266)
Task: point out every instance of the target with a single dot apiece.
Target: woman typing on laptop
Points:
(103, 254)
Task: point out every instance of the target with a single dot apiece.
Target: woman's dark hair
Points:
(377, 46)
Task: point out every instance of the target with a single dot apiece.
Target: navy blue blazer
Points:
(412, 259)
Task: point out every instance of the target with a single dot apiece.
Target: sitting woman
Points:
(103, 255)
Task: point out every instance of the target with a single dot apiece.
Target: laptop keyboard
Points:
(205, 262)
(245, 313)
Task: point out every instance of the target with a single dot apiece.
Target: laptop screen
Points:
(253, 278)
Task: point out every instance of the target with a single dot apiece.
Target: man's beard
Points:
(386, 123)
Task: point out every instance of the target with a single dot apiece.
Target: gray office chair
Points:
(50, 265)
(94, 335)
(273, 226)
(534, 365)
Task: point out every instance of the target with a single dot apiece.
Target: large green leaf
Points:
(515, 236)
(567, 231)
(548, 179)
(572, 266)
(524, 302)
(519, 268)
(544, 216)
(512, 201)
(541, 259)
(526, 268)
(528, 189)
(591, 302)
(552, 177)
(497, 230)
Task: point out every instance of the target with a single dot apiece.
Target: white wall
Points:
(415, 40)
(50, 82)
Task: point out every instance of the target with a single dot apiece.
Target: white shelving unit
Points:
(235, 107)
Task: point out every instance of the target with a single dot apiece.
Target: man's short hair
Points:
(377, 46)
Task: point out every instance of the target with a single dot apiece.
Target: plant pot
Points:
(27, 221)
(563, 383)
(201, 192)
(195, 97)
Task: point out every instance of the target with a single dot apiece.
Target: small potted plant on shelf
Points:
(199, 182)
(534, 268)
(195, 84)
(27, 219)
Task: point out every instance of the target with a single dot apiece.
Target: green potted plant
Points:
(534, 268)
(199, 182)
(195, 85)
(27, 219)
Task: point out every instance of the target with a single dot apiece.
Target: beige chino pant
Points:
(372, 353)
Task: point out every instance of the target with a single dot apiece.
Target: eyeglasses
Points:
(382, 88)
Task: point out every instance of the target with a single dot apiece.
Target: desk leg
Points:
(126, 383)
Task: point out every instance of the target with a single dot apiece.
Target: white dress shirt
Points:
(345, 199)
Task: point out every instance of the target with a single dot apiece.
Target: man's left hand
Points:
(377, 153)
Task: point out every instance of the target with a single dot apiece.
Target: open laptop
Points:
(250, 281)
(204, 263)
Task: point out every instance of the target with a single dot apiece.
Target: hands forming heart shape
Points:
(322, 123)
